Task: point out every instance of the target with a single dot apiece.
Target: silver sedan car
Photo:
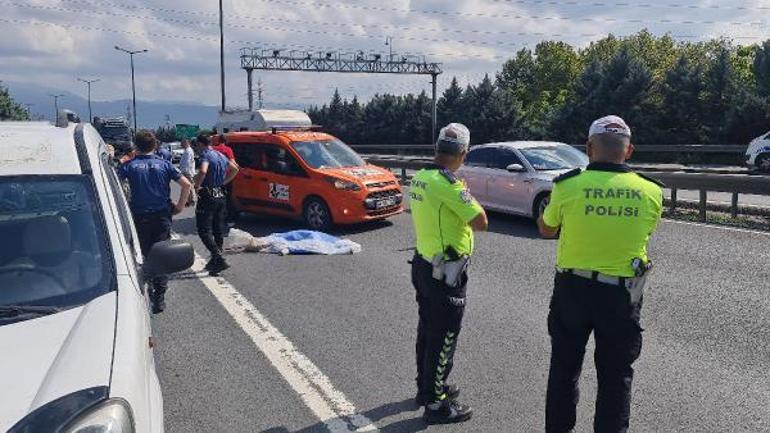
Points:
(517, 177)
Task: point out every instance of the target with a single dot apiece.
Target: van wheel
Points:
(763, 162)
(540, 204)
(316, 214)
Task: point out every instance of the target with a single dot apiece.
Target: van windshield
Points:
(53, 252)
(328, 154)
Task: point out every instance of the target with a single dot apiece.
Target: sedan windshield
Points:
(53, 250)
(559, 157)
(328, 154)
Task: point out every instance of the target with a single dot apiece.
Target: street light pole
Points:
(56, 105)
(222, 53)
(389, 43)
(133, 83)
(88, 83)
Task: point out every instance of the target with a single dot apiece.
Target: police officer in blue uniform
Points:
(164, 153)
(215, 171)
(149, 177)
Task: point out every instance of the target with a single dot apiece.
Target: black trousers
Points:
(230, 210)
(440, 309)
(210, 221)
(578, 307)
(152, 228)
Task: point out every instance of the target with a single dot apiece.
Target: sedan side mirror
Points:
(515, 168)
(168, 257)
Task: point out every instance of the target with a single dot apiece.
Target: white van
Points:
(75, 338)
(260, 120)
(758, 153)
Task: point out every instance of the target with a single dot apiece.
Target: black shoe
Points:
(448, 412)
(158, 305)
(208, 264)
(451, 391)
(218, 266)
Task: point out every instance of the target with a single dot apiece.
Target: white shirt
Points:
(187, 162)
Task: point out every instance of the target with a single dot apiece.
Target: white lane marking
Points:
(313, 386)
(714, 226)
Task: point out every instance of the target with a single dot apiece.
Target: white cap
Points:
(453, 139)
(609, 125)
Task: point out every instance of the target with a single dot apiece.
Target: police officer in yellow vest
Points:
(444, 215)
(604, 217)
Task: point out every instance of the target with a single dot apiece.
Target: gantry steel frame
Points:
(331, 61)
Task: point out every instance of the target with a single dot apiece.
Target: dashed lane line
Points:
(315, 389)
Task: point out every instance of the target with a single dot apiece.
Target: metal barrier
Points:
(703, 182)
(417, 149)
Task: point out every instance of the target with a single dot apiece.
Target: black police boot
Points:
(451, 391)
(158, 304)
(447, 412)
(218, 265)
(208, 264)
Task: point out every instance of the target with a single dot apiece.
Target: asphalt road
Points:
(704, 366)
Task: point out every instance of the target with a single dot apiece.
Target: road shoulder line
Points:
(305, 378)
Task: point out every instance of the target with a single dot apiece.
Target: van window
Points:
(276, 156)
(249, 155)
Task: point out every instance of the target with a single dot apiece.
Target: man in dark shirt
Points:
(214, 173)
(149, 177)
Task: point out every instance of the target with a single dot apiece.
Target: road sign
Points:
(184, 131)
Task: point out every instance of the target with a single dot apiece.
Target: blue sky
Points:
(52, 42)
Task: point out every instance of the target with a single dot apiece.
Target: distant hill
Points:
(151, 114)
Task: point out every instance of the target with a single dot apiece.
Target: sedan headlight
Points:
(343, 185)
(112, 416)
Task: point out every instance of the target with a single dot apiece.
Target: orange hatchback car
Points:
(312, 176)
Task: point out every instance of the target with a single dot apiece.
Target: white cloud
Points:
(470, 38)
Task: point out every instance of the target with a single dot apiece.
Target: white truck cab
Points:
(758, 153)
(75, 332)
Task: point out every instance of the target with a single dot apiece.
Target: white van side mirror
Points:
(515, 168)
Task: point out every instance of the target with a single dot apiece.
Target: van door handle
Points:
(263, 179)
(246, 176)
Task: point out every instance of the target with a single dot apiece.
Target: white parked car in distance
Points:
(517, 177)
(75, 336)
(758, 153)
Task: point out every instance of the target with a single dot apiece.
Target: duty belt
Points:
(213, 191)
(595, 276)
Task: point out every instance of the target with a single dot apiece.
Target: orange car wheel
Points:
(316, 214)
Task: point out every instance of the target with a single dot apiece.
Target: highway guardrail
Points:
(734, 184)
(410, 149)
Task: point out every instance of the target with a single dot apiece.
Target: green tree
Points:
(761, 69)
(488, 115)
(10, 109)
(622, 87)
(680, 119)
(720, 89)
(518, 76)
(418, 121)
(450, 104)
